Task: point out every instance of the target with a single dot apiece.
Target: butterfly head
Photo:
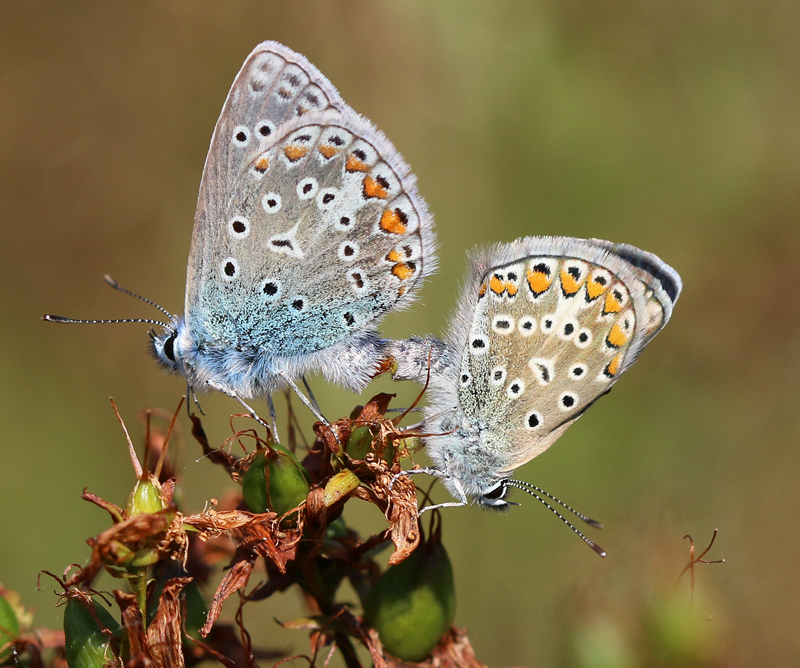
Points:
(494, 496)
(167, 348)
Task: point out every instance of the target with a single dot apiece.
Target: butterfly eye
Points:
(169, 347)
(496, 493)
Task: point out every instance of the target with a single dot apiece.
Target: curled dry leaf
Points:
(133, 624)
(234, 579)
(164, 633)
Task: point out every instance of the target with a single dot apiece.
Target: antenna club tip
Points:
(598, 549)
(53, 318)
(594, 523)
(107, 278)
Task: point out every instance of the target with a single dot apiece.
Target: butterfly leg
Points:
(233, 395)
(439, 474)
(303, 398)
(425, 469)
(253, 414)
(273, 418)
(192, 397)
(311, 396)
(450, 504)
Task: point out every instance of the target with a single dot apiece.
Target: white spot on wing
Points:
(286, 243)
(271, 202)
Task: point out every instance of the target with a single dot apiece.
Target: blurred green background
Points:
(672, 126)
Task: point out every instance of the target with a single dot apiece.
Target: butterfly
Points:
(309, 228)
(543, 328)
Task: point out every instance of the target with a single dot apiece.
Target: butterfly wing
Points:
(274, 85)
(546, 326)
(306, 235)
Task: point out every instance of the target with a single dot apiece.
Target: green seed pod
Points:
(9, 627)
(85, 645)
(413, 604)
(145, 498)
(275, 481)
(359, 443)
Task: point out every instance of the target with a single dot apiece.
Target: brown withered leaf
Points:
(376, 408)
(168, 491)
(403, 515)
(316, 517)
(165, 632)
(400, 507)
(260, 533)
(332, 435)
(234, 579)
(131, 619)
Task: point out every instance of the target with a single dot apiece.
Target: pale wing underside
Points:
(323, 233)
(309, 225)
(274, 85)
(546, 332)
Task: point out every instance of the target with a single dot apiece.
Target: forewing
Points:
(321, 234)
(274, 86)
(550, 325)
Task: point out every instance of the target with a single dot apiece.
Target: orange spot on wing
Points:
(482, 291)
(496, 285)
(328, 150)
(373, 188)
(511, 288)
(612, 305)
(294, 152)
(355, 164)
(594, 289)
(262, 163)
(612, 367)
(392, 220)
(616, 337)
(538, 281)
(403, 270)
(569, 284)
(394, 256)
